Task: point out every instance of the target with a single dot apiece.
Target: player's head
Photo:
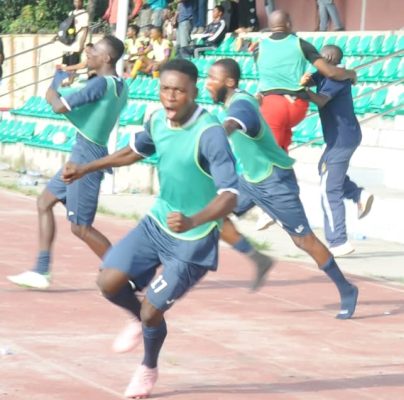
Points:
(78, 4)
(106, 51)
(279, 21)
(333, 54)
(178, 89)
(133, 31)
(156, 32)
(224, 76)
(218, 12)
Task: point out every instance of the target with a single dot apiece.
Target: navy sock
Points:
(243, 246)
(42, 263)
(126, 298)
(153, 341)
(347, 291)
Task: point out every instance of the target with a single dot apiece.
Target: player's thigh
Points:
(176, 279)
(244, 200)
(279, 197)
(135, 255)
(82, 198)
(57, 187)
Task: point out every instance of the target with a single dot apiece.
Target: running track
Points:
(223, 343)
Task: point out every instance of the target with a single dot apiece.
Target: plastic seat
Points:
(362, 46)
(377, 100)
(390, 69)
(387, 46)
(351, 45)
(399, 45)
(361, 105)
(341, 42)
(318, 42)
(375, 45)
(330, 39)
(372, 73)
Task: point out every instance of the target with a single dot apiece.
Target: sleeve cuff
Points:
(243, 127)
(132, 144)
(232, 190)
(65, 103)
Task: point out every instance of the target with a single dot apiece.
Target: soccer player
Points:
(342, 135)
(94, 111)
(198, 187)
(268, 179)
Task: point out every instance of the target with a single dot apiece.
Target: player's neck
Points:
(106, 70)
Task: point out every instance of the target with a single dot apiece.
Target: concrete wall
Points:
(380, 15)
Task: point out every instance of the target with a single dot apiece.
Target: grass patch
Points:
(18, 188)
(258, 245)
(107, 211)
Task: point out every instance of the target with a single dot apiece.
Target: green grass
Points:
(17, 188)
(107, 211)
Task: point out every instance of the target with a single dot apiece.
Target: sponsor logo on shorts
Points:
(299, 229)
(70, 213)
(170, 301)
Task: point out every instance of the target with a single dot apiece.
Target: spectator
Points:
(184, 20)
(269, 6)
(155, 55)
(152, 13)
(111, 12)
(327, 10)
(134, 46)
(213, 34)
(199, 15)
(342, 135)
(1, 58)
(247, 16)
(282, 60)
(72, 53)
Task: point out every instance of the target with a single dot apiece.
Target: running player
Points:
(94, 111)
(268, 179)
(342, 135)
(198, 187)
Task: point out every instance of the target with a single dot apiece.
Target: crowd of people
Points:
(199, 182)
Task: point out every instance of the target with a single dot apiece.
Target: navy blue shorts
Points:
(278, 196)
(80, 197)
(147, 246)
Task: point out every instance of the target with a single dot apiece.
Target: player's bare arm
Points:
(120, 158)
(219, 207)
(333, 72)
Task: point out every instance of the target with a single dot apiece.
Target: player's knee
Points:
(305, 242)
(79, 230)
(150, 315)
(42, 203)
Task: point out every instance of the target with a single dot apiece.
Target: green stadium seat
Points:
(363, 45)
(330, 39)
(308, 130)
(341, 42)
(361, 105)
(377, 100)
(372, 73)
(400, 69)
(399, 45)
(375, 45)
(388, 45)
(318, 42)
(390, 69)
(351, 45)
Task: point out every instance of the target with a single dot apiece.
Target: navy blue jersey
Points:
(340, 125)
(244, 113)
(215, 155)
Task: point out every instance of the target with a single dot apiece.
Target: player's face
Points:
(216, 83)
(177, 94)
(97, 55)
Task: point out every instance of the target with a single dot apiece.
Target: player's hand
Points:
(259, 98)
(354, 77)
(178, 222)
(72, 172)
(305, 79)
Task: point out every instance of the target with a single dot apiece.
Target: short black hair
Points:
(220, 8)
(232, 68)
(181, 65)
(157, 28)
(336, 50)
(116, 48)
(135, 28)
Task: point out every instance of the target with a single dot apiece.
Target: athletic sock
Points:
(347, 291)
(262, 262)
(153, 338)
(126, 298)
(42, 263)
(243, 246)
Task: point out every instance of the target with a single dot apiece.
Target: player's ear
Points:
(230, 82)
(196, 91)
